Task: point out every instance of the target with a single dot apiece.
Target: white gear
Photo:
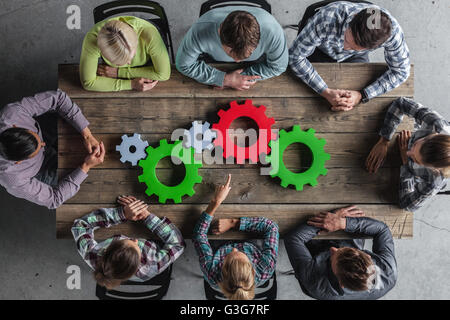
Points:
(127, 143)
(192, 134)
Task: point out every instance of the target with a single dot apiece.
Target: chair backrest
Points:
(153, 8)
(161, 282)
(213, 4)
(266, 291)
(311, 10)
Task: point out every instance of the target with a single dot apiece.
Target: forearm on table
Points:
(148, 72)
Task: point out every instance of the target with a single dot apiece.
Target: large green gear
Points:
(318, 163)
(154, 186)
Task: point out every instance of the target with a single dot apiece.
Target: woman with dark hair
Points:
(425, 153)
(120, 258)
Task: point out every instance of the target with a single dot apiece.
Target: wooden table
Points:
(179, 101)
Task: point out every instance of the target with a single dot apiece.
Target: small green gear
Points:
(288, 177)
(154, 186)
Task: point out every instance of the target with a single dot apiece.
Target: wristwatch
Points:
(364, 98)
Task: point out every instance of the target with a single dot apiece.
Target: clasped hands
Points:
(95, 149)
(133, 209)
(342, 100)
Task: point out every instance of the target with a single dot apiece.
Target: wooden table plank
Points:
(354, 76)
(286, 216)
(166, 115)
(347, 185)
(347, 150)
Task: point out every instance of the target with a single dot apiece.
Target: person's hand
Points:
(340, 100)
(377, 155)
(223, 225)
(143, 84)
(89, 140)
(96, 157)
(222, 191)
(332, 222)
(219, 196)
(133, 209)
(349, 99)
(239, 82)
(403, 140)
(106, 71)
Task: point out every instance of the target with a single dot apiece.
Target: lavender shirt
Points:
(19, 179)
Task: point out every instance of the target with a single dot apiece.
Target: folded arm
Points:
(271, 237)
(304, 45)
(45, 195)
(173, 246)
(299, 255)
(396, 54)
(84, 227)
(424, 117)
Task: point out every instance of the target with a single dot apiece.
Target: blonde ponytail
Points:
(117, 41)
(238, 279)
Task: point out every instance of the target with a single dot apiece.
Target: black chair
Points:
(112, 8)
(312, 9)
(213, 4)
(266, 291)
(161, 281)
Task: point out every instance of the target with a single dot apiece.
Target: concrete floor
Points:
(35, 39)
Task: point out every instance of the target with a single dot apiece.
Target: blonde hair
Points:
(238, 279)
(117, 40)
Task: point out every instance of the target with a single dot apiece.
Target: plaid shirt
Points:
(263, 261)
(154, 258)
(417, 183)
(326, 30)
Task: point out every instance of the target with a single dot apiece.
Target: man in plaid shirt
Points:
(263, 261)
(154, 258)
(346, 32)
(419, 181)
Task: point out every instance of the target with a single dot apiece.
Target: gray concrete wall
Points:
(34, 39)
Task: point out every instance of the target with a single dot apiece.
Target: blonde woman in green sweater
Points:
(126, 44)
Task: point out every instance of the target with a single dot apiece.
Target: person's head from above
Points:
(432, 151)
(18, 144)
(119, 262)
(238, 277)
(353, 268)
(117, 42)
(367, 30)
(239, 34)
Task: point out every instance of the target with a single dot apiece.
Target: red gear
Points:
(258, 115)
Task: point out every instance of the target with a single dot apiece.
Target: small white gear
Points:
(193, 140)
(136, 142)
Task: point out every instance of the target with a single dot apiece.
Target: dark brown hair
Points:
(370, 38)
(240, 32)
(353, 269)
(119, 262)
(435, 151)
